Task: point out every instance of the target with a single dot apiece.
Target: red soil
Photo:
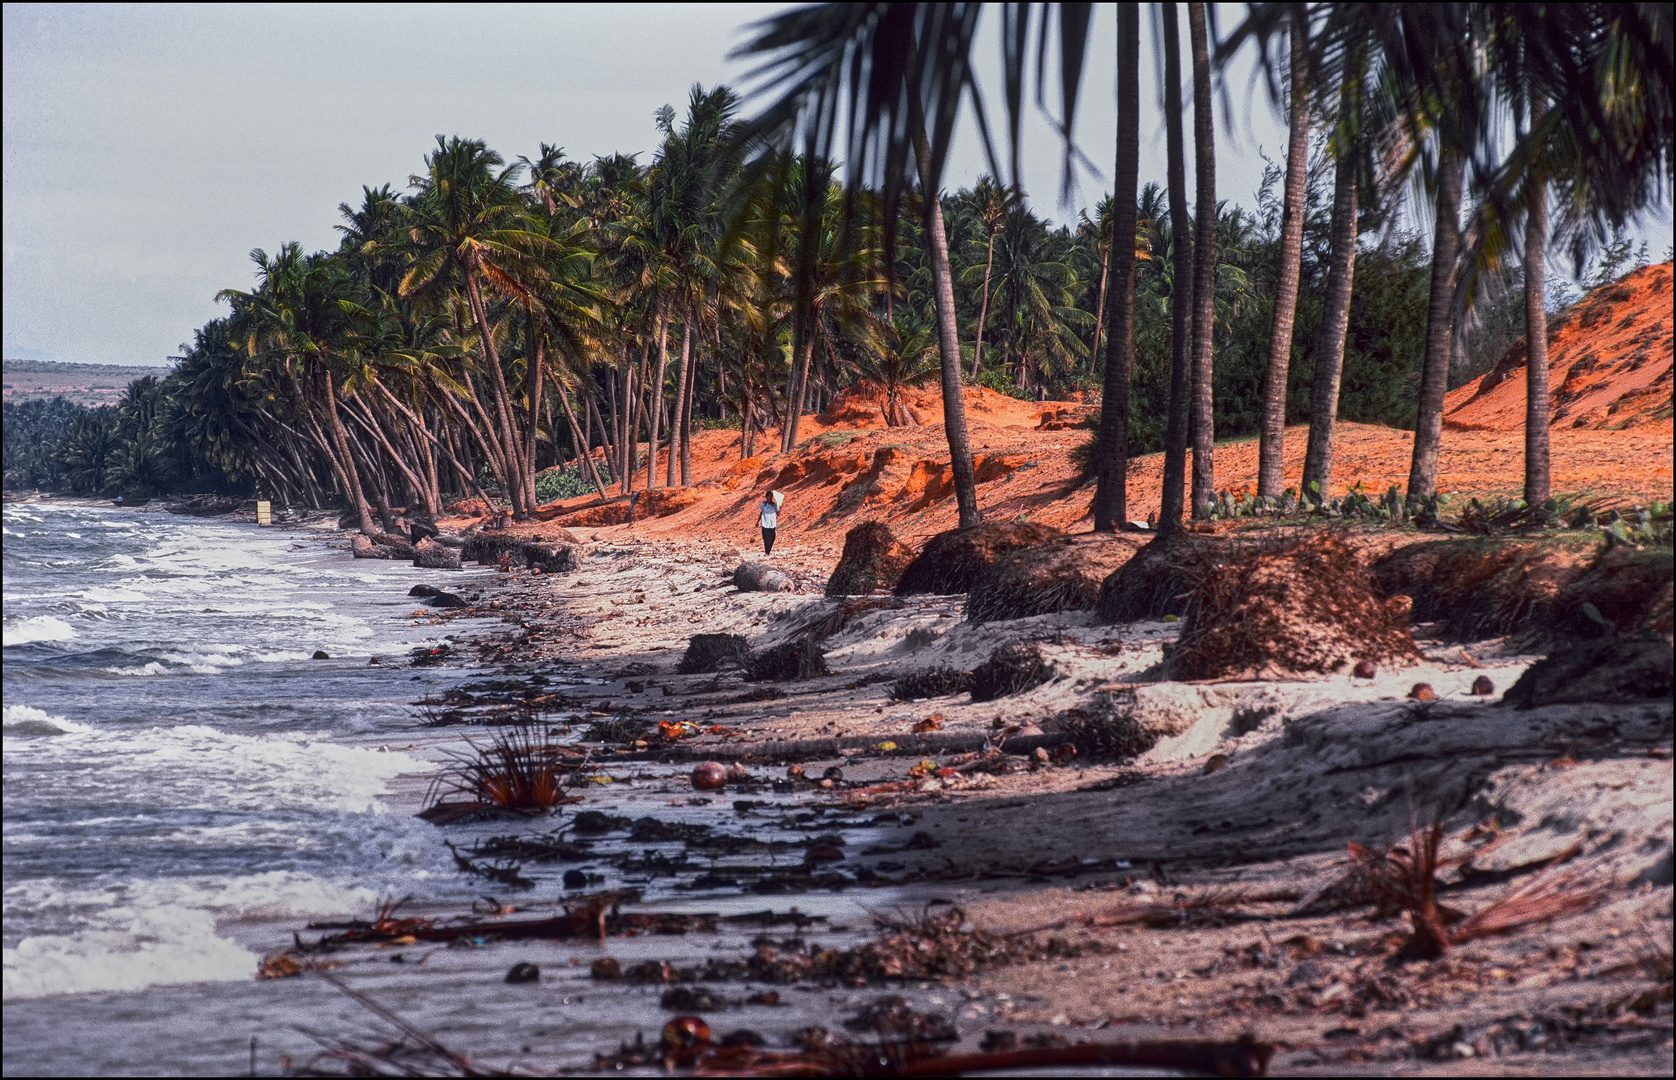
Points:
(1610, 357)
(1609, 364)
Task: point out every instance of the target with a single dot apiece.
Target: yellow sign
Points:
(264, 512)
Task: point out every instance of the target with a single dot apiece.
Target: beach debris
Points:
(799, 658)
(1483, 686)
(1156, 581)
(936, 682)
(738, 774)
(1307, 605)
(429, 655)
(710, 776)
(606, 969)
(708, 653)
(691, 999)
(951, 562)
(415, 1053)
(873, 559)
(1010, 669)
(423, 590)
(519, 767)
(761, 577)
(1365, 669)
(523, 972)
(320, 654)
(446, 600)
(1404, 878)
(505, 872)
(1422, 691)
(1062, 574)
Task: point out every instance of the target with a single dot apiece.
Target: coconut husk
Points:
(1011, 669)
(1056, 575)
(712, 652)
(951, 562)
(873, 559)
(799, 658)
(1308, 606)
(937, 682)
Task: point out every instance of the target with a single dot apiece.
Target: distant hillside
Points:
(83, 384)
(1609, 364)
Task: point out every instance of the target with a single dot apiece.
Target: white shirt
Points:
(770, 515)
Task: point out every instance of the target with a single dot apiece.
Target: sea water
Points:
(185, 787)
(176, 762)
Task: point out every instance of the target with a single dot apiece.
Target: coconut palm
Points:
(994, 204)
(896, 354)
(1181, 286)
(1111, 496)
(1204, 264)
(1271, 444)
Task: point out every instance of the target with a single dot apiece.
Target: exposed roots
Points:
(952, 562)
(873, 559)
(712, 652)
(1057, 575)
(1307, 606)
(937, 682)
(1011, 669)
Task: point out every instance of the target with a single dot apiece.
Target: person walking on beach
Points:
(770, 519)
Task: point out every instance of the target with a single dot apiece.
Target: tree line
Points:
(494, 320)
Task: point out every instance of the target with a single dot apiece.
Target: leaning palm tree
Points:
(470, 230)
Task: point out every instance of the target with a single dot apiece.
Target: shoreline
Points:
(1329, 762)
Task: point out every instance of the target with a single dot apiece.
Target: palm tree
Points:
(994, 204)
(897, 354)
(1335, 320)
(1181, 285)
(469, 229)
(1538, 478)
(1033, 287)
(1272, 443)
(1111, 495)
(1204, 264)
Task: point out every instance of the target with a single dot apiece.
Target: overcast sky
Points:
(148, 149)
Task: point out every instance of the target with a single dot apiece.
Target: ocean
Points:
(186, 787)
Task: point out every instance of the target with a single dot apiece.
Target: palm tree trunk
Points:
(687, 425)
(1111, 462)
(1538, 482)
(983, 306)
(1271, 447)
(794, 392)
(514, 483)
(532, 388)
(1204, 266)
(1335, 327)
(682, 374)
(1181, 285)
(586, 459)
(1100, 305)
(346, 461)
(1440, 318)
(948, 339)
(657, 398)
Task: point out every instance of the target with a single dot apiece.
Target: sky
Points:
(148, 149)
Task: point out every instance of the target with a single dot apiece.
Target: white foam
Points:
(159, 947)
(26, 720)
(38, 628)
